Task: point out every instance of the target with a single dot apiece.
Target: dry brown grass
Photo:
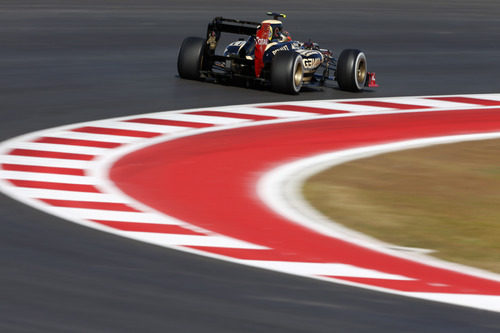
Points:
(445, 198)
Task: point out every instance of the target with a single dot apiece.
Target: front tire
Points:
(352, 70)
(287, 72)
(190, 59)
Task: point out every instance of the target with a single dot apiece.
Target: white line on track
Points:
(70, 195)
(92, 137)
(268, 112)
(190, 240)
(357, 108)
(433, 103)
(110, 215)
(494, 97)
(49, 177)
(60, 148)
(484, 302)
(43, 161)
(199, 118)
(326, 269)
(140, 127)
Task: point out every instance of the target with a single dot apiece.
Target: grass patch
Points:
(445, 198)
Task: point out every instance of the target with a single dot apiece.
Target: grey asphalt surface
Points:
(69, 61)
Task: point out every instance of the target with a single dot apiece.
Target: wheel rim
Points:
(298, 74)
(361, 71)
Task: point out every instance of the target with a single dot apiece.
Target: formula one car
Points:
(270, 57)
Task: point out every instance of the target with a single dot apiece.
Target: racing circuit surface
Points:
(67, 62)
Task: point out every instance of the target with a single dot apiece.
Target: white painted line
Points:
(111, 215)
(122, 125)
(492, 97)
(325, 104)
(484, 302)
(69, 195)
(324, 269)
(335, 105)
(49, 177)
(60, 148)
(42, 161)
(430, 103)
(93, 137)
(358, 108)
(199, 118)
(268, 112)
(193, 240)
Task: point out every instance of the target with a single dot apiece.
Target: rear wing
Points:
(232, 26)
(220, 24)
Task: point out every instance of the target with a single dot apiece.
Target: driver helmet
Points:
(276, 32)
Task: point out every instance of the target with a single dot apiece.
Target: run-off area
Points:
(443, 198)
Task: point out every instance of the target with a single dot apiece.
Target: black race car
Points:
(270, 57)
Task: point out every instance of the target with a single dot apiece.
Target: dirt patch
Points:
(445, 198)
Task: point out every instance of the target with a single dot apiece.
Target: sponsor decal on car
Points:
(261, 41)
(283, 48)
(311, 62)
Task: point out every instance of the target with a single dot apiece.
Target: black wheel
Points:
(287, 72)
(190, 59)
(352, 70)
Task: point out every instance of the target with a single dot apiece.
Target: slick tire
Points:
(287, 72)
(190, 59)
(352, 70)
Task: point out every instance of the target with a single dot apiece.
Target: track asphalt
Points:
(68, 61)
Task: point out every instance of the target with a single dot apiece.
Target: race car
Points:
(270, 57)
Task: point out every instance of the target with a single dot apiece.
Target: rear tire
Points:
(352, 70)
(287, 72)
(190, 59)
